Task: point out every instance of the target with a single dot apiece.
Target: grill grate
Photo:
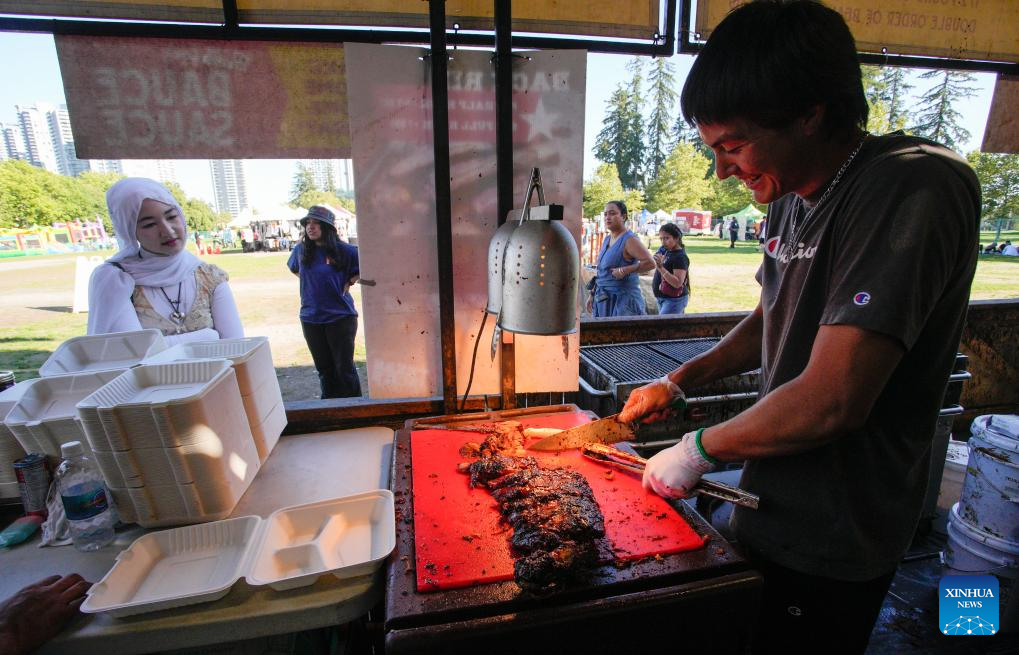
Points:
(636, 362)
(685, 350)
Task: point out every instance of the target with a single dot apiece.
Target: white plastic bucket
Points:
(970, 551)
(990, 490)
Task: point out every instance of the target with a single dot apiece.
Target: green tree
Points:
(621, 139)
(302, 187)
(33, 196)
(663, 98)
(601, 188)
(887, 89)
(200, 216)
(999, 184)
(936, 118)
(681, 182)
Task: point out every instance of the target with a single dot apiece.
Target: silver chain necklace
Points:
(827, 192)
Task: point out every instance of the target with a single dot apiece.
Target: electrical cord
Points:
(474, 358)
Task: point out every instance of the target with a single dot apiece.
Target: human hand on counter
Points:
(653, 402)
(29, 618)
(675, 471)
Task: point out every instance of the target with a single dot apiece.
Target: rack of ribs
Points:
(555, 518)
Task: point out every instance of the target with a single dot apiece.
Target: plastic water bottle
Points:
(86, 503)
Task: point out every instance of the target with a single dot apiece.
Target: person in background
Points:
(862, 306)
(733, 232)
(1009, 250)
(327, 268)
(39, 611)
(153, 281)
(672, 272)
(616, 290)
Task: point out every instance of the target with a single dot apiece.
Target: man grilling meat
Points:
(864, 288)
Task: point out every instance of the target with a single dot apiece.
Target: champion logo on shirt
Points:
(775, 249)
(861, 298)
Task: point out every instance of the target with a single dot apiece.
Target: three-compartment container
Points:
(344, 537)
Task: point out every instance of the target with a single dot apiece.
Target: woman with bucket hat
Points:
(153, 281)
(327, 267)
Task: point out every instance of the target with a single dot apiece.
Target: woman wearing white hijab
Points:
(153, 281)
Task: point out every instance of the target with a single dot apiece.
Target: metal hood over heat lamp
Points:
(539, 269)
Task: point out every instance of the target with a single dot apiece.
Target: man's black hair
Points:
(770, 61)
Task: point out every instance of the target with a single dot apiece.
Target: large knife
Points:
(606, 431)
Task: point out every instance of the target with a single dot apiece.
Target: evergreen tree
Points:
(887, 89)
(303, 187)
(634, 177)
(936, 118)
(897, 88)
(681, 182)
(663, 98)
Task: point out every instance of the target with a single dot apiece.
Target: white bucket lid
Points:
(1001, 430)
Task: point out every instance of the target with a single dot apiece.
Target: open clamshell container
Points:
(256, 379)
(344, 537)
(103, 352)
(44, 417)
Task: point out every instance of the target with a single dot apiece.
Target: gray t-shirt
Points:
(892, 250)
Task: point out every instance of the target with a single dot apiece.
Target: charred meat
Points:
(555, 518)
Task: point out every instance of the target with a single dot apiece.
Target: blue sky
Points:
(31, 74)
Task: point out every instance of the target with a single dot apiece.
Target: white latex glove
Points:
(675, 471)
(652, 402)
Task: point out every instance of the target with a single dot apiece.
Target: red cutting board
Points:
(460, 541)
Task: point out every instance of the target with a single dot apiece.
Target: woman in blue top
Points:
(621, 261)
(327, 268)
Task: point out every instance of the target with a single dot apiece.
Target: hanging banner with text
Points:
(958, 29)
(199, 99)
(634, 19)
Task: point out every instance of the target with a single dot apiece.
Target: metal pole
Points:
(504, 167)
(443, 208)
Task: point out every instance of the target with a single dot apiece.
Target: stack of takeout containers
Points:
(44, 417)
(256, 379)
(10, 448)
(173, 441)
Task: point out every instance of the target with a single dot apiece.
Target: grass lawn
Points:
(36, 294)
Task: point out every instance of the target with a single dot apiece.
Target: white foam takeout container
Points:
(256, 379)
(44, 417)
(345, 537)
(177, 433)
(103, 352)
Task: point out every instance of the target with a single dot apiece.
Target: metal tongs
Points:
(615, 457)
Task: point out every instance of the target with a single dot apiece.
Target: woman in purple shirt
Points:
(327, 268)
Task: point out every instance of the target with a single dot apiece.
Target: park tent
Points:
(749, 215)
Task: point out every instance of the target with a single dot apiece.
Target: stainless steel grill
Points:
(608, 373)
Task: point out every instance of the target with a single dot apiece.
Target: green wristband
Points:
(700, 448)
